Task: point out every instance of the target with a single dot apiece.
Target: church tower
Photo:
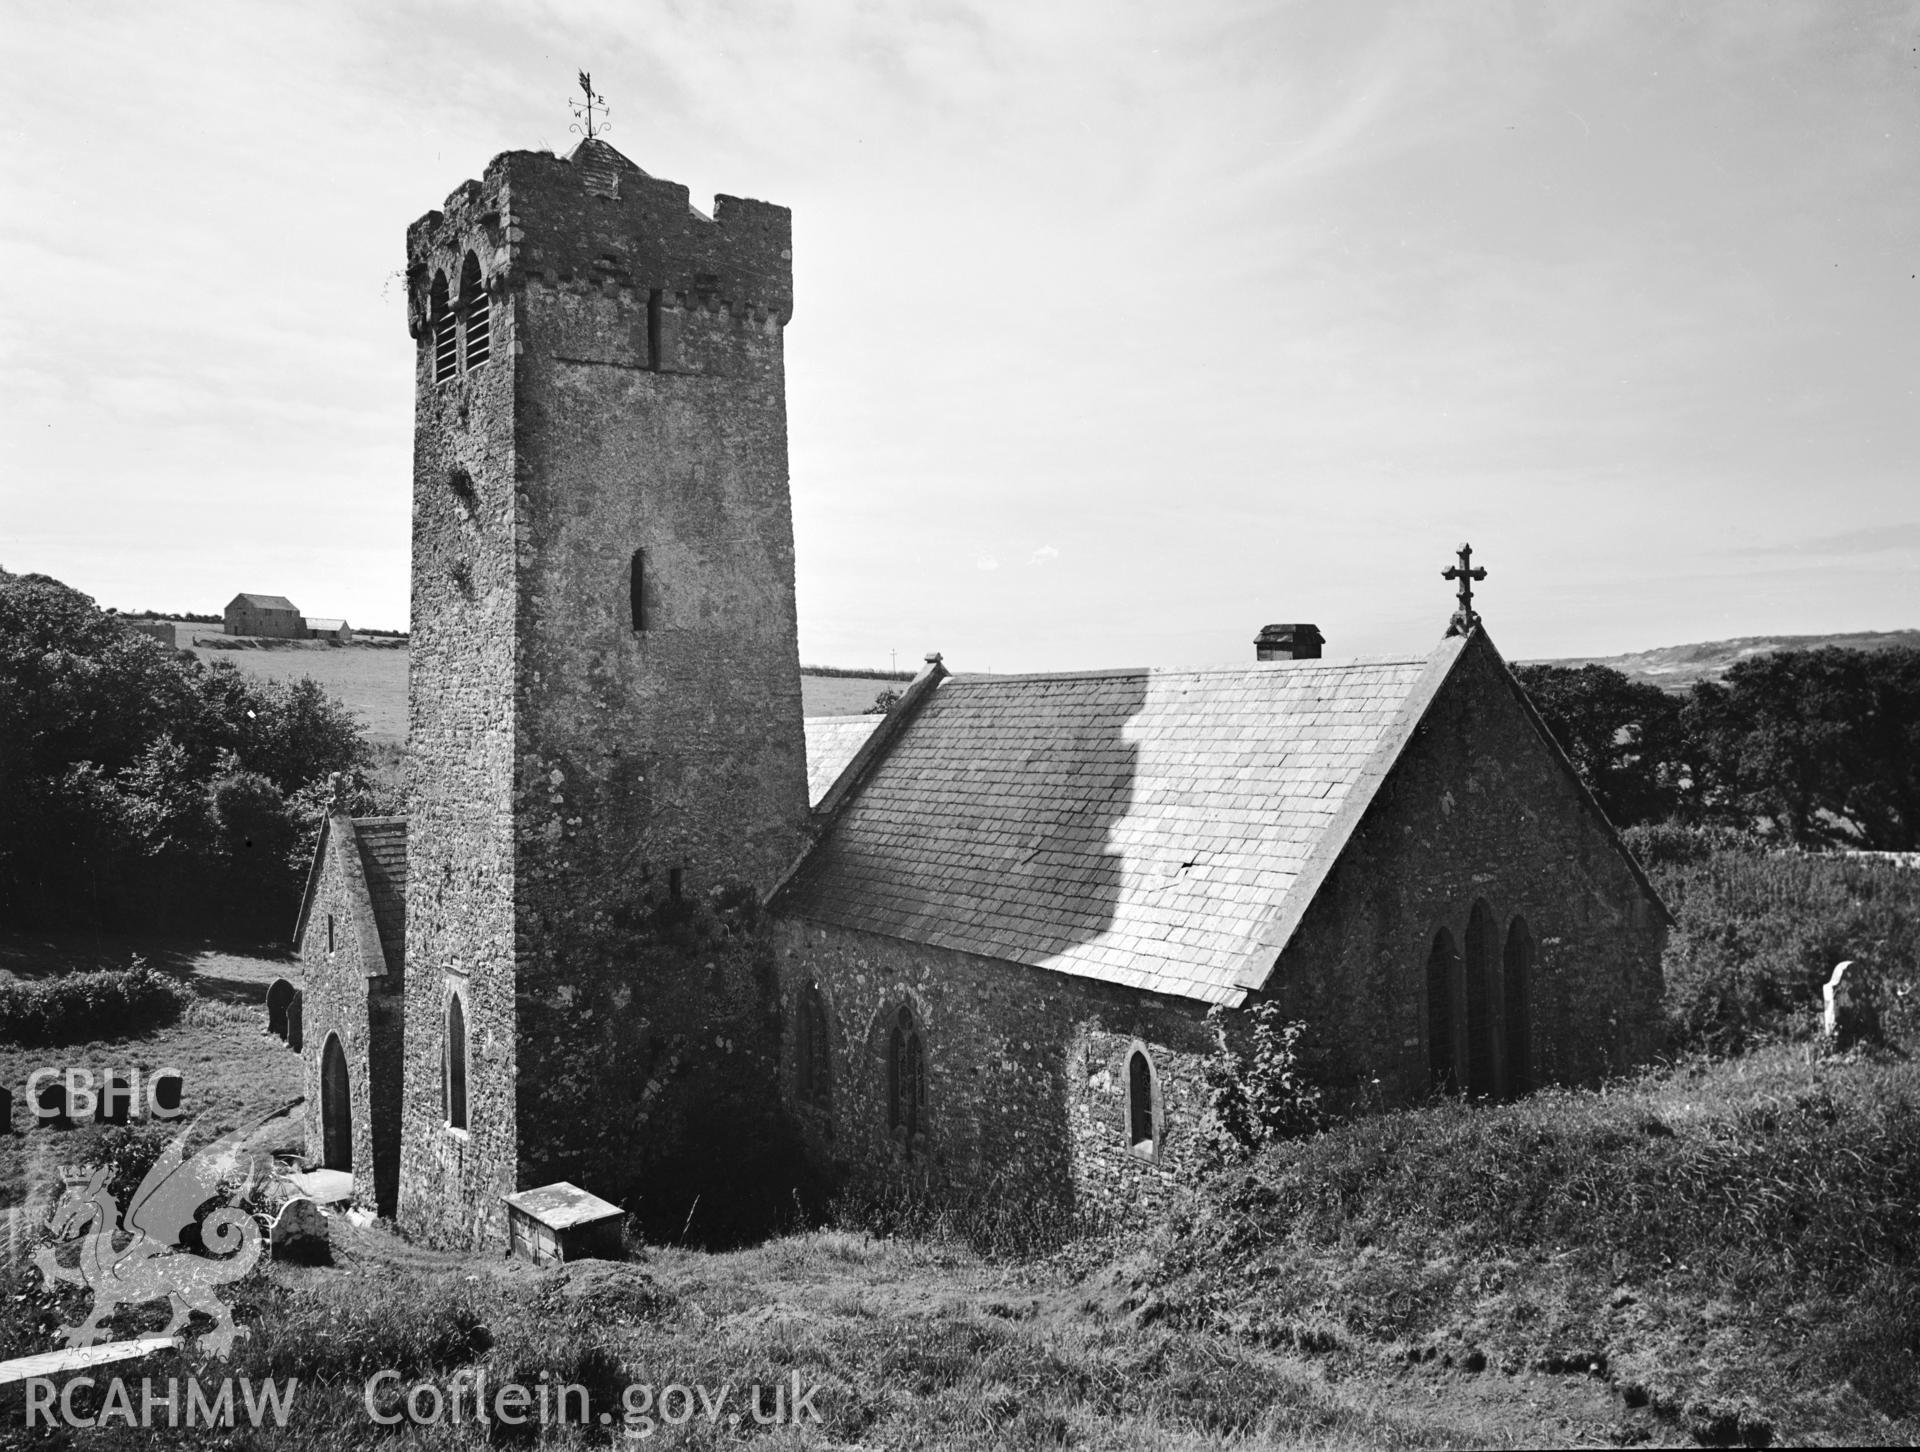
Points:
(608, 758)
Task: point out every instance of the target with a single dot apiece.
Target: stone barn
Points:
(337, 631)
(350, 939)
(667, 942)
(269, 615)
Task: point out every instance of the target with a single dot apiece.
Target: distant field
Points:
(1679, 667)
(842, 695)
(372, 679)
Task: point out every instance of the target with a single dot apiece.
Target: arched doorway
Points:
(336, 1107)
(1517, 971)
(1443, 964)
(1482, 1003)
(279, 1000)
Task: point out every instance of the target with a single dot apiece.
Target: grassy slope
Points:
(1734, 1246)
(232, 1071)
(1729, 1249)
(910, 1344)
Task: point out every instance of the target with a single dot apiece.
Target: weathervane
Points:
(583, 110)
(1466, 572)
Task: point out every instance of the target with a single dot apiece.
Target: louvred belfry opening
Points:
(446, 343)
(479, 313)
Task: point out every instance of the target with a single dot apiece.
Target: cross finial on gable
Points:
(1466, 572)
(586, 123)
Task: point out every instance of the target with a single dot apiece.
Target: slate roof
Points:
(263, 602)
(831, 744)
(1144, 827)
(383, 856)
(317, 624)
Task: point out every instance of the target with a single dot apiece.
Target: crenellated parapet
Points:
(592, 221)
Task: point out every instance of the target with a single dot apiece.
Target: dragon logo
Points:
(153, 1264)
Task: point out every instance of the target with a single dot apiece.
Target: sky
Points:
(1121, 328)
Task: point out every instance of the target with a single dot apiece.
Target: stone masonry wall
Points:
(581, 781)
(666, 755)
(1026, 1072)
(337, 997)
(460, 865)
(1477, 809)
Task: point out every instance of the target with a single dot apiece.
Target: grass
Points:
(910, 1345)
(1733, 1245)
(372, 679)
(232, 1071)
(1760, 929)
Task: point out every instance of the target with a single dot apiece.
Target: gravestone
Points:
(300, 1235)
(1849, 1011)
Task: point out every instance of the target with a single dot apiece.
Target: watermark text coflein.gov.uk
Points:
(642, 1409)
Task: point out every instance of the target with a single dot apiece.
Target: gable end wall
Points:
(341, 992)
(1478, 807)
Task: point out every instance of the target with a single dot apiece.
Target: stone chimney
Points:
(1288, 642)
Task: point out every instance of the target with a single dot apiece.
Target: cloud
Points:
(1044, 555)
(1875, 539)
(987, 562)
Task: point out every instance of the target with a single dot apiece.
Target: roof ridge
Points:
(1225, 668)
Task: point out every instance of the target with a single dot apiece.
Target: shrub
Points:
(1257, 1090)
(79, 1006)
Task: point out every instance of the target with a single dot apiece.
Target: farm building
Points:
(336, 631)
(269, 615)
(652, 916)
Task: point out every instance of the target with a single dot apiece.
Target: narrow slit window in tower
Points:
(455, 1064)
(637, 590)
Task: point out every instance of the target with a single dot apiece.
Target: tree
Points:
(132, 777)
(1820, 745)
(1625, 738)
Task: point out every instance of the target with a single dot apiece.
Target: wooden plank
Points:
(78, 1358)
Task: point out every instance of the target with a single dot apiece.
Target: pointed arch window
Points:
(1143, 1109)
(906, 1080)
(453, 1064)
(1482, 1004)
(441, 330)
(816, 1084)
(478, 311)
